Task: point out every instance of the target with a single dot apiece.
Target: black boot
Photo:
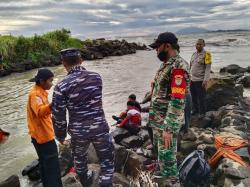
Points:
(116, 118)
(86, 179)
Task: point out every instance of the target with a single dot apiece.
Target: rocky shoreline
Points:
(91, 50)
(228, 115)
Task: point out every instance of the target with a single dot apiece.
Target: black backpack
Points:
(194, 169)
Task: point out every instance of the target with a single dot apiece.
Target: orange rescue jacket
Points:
(39, 115)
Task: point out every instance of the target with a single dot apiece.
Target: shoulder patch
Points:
(178, 84)
(208, 58)
(39, 101)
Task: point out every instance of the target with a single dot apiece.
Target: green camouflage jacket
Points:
(167, 112)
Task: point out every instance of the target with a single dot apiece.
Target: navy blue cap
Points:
(165, 37)
(42, 74)
(70, 52)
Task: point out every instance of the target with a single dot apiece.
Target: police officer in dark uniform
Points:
(80, 92)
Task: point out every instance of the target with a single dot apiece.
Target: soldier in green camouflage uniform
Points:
(166, 114)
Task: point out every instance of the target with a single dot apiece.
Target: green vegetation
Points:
(19, 50)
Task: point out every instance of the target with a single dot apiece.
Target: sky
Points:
(107, 18)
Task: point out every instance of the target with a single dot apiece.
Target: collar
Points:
(76, 69)
(41, 90)
(172, 59)
(203, 51)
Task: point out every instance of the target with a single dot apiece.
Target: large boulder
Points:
(119, 134)
(132, 141)
(233, 69)
(245, 81)
(222, 91)
(121, 156)
(12, 181)
(134, 164)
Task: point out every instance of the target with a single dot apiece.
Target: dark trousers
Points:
(105, 152)
(187, 111)
(49, 164)
(198, 97)
(132, 129)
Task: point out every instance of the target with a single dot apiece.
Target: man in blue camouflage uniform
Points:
(166, 113)
(80, 92)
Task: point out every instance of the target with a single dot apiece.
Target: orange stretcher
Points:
(225, 148)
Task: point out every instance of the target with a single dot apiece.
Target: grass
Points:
(18, 50)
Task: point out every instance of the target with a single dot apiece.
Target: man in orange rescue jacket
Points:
(41, 129)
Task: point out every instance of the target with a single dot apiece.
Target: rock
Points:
(134, 164)
(119, 134)
(233, 173)
(65, 158)
(120, 180)
(121, 156)
(207, 139)
(132, 142)
(189, 136)
(70, 180)
(233, 69)
(243, 152)
(32, 171)
(92, 156)
(220, 92)
(143, 134)
(187, 147)
(12, 181)
(245, 81)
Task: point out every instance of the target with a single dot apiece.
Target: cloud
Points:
(101, 18)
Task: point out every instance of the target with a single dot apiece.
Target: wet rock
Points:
(12, 181)
(32, 171)
(132, 141)
(233, 69)
(245, 81)
(119, 134)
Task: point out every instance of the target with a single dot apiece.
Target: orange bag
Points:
(225, 148)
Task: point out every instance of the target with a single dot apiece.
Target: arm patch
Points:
(178, 84)
(208, 58)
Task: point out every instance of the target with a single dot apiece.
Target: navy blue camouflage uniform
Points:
(81, 94)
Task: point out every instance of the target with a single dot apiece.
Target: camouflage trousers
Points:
(105, 152)
(166, 156)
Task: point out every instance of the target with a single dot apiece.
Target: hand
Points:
(62, 142)
(50, 105)
(204, 84)
(167, 137)
(118, 125)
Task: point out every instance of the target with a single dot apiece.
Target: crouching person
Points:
(132, 122)
(41, 129)
(80, 92)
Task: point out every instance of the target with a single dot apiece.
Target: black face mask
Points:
(162, 56)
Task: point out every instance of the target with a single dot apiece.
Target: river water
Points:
(121, 76)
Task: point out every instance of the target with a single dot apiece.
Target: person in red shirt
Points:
(137, 106)
(132, 121)
(3, 135)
